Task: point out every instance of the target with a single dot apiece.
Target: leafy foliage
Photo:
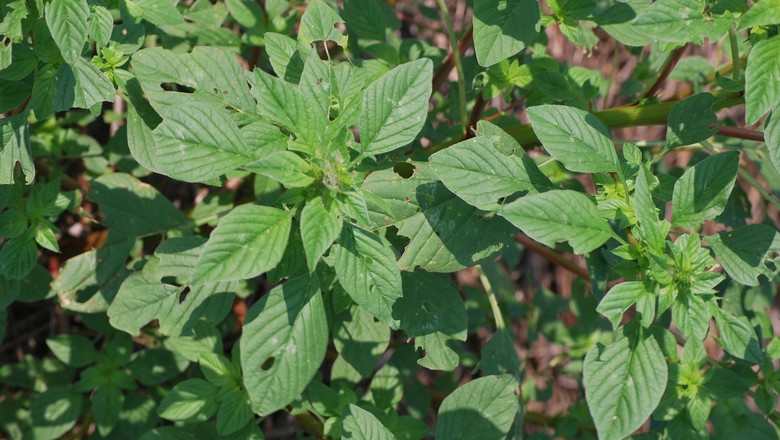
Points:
(241, 219)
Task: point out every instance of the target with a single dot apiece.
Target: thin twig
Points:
(454, 45)
(491, 298)
(666, 69)
(449, 61)
(552, 256)
(741, 133)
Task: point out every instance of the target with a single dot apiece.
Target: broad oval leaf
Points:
(703, 190)
(737, 336)
(575, 137)
(193, 400)
(247, 242)
(359, 424)
(502, 28)
(283, 343)
(619, 299)
(623, 384)
(691, 120)
(541, 217)
(765, 12)
(762, 79)
(67, 21)
(366, 268)
(395, 107)
(743, 251)
(484, 408)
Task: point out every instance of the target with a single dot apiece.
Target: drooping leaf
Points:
(620, 298)
(395, 107)
(283, 343)
(623, 384)
(15, 148)
(502, 28)
(358, 424)
(67, 20)
(743, 251)
(541, 217)
(366, 268)
(433, 313)
(691, 120)
(320, 227)
(247, 242)
(762, 90)
(484, 408)
(703, 190)
(575, 137)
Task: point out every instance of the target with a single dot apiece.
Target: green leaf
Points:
(483, 408)
(359, 424)
(18, 256)
(575, 137)
(432, 313)
(285, 58)
(286, 167)
(498, 355)
(624, 383)
(247, 242)
(772, 135)
(134, 208)
(107, 402)
(13, 223)
(81, 85)
(540, 216)
(743, 251)
(54, 412)
(395, 107)
(366, 268)
(737, 336)
(285, 104)
(153, 366)
(703, 190)
(359, 339)
(141, 298)
(480, 174)
(320, 227)
(678, 21)
(691, 120)
(101, 23)
(73, 350)
(319, 24)
(765, 12)
(369, 19)
(620, 298)
(217, 369)
(190, 401)
(502, 28)
(435, 221)
(654, 229)
(157, 12)
(67, 21)
(246, 12)
(283, 343)
(234, 412)
(15, 147)
(762, 89)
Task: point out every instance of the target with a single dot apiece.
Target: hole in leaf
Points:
(183, 294)
(404, 169)
(175, 87)
(268, 363)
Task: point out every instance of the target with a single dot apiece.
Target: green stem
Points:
(458, 64)
(734, 53)
(491, 298)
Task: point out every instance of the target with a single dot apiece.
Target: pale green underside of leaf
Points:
(395, 107)
(541, 217)
(67, 21)
(619, 299)
(502, 28)
(283, 343)
(435, 221)
(247, 242)
(743, 251)
(432, 313)
(762, 79)
(623, 385)
(703, 190)
(484, 408)
(15, 148)
(359, 424)
(480, 174)
(320, 227)
(366, 268)
(575, 137)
